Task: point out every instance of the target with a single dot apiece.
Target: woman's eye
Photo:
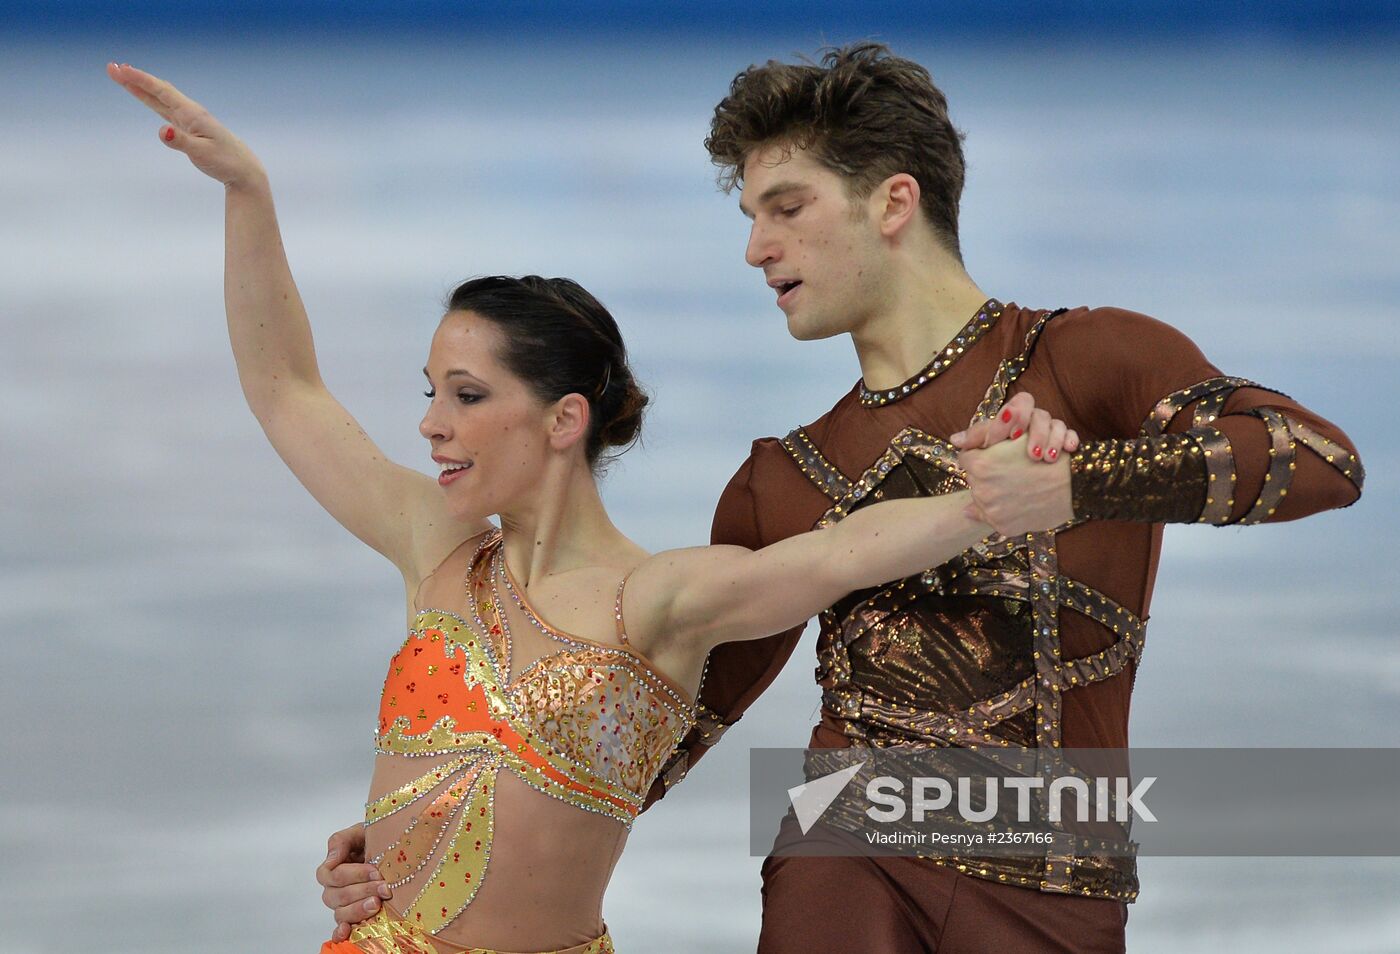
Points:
(466, 397)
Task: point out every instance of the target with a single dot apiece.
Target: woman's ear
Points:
(568, 421)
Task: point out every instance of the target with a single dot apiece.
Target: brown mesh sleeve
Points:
(1149, 391)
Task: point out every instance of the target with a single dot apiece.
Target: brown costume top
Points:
(1031, 640)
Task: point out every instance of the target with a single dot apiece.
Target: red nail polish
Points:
(169, 134)
(1016, 433)
(1052, 454)
(1005, 416)
(1036, 450)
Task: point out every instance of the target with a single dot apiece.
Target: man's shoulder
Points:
(1102, 337)
(1094, 326)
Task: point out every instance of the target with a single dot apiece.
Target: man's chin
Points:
(807, 330)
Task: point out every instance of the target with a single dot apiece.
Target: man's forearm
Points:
(1203, 474)
(1152, 479)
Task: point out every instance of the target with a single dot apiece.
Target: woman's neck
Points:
(565, 526)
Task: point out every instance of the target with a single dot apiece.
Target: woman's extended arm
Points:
(704, 596)
(397, 511)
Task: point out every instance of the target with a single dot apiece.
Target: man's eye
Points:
(790, 212)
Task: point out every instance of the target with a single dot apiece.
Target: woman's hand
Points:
(1045, 436)
(214, 150)
(1009, 493)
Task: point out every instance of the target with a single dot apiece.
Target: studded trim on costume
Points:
(1173, 404)
(1341, 460)
(1024, 568)
(1284, 432)
(971, 333)
(815, 466)
(1011, 368)
(1282, 454)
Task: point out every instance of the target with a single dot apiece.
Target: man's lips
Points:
(784, 287)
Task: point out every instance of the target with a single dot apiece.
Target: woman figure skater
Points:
(551, 664)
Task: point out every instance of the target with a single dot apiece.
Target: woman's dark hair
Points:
(560, 340)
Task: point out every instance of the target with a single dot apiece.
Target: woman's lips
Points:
(447, 476)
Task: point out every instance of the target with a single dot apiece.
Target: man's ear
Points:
(568, 421)
(897, 203)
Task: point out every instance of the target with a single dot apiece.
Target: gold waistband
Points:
(387, 933)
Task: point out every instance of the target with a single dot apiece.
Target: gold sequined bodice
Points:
(590, 724)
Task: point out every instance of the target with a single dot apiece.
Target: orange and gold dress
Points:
(590, 725)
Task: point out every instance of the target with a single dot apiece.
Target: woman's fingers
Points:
(152, 90)
(134, 82)
(1008, 423)
(1038, 434)
(1054, 441)
(183, 113)
(1022, 410)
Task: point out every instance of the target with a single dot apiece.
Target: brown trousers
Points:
(905, 905)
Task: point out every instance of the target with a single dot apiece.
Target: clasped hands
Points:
(1017, 468)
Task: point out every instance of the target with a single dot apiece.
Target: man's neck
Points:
(922, 314)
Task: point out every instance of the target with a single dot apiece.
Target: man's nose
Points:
(761, 249)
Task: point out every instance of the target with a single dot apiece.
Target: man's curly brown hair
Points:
(864, 113)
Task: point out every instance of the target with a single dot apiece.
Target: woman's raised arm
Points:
(397, 511)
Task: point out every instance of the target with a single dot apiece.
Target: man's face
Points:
(820, 251)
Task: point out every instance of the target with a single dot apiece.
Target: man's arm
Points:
(1178, 441)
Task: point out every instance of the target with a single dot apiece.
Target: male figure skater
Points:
(852, 172)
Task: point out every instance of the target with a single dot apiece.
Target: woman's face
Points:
(483, 416)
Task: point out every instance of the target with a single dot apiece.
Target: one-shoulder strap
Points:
(617, 612)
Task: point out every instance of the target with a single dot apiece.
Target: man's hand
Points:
(1012, 492)
(353, 889)
(999, 457)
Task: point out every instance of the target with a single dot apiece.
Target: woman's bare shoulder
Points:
(434, 548)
